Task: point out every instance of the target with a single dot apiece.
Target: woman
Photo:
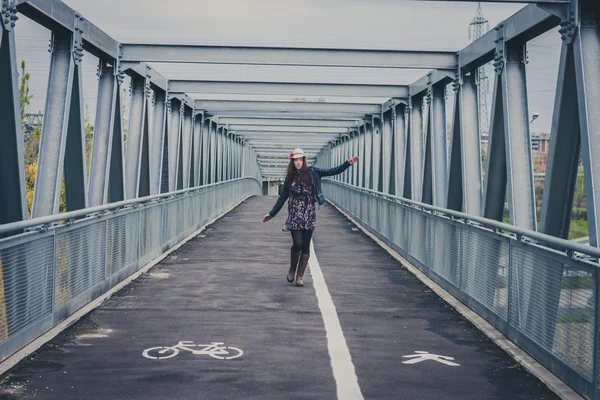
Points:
(303, 187)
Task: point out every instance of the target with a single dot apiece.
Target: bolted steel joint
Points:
(8, 15)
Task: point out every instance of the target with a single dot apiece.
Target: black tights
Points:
(301, 241)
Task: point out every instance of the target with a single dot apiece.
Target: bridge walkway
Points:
(343, 335)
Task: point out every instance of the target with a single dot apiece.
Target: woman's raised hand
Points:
(267, 218)
(352, 160)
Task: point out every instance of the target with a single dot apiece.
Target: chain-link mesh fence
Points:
(541, 298)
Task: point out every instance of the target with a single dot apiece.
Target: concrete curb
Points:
(36, 344)
(553, 382)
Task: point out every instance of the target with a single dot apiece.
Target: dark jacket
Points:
(316, 174)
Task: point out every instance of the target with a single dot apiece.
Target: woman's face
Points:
(298, 163)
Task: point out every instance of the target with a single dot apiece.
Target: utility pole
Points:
(477, 28)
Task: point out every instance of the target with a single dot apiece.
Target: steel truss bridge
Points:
(188, 157)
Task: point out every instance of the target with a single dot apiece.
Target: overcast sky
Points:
(384, 24)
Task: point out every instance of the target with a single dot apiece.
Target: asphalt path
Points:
(274, 340)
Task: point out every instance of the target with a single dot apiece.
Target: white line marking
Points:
(341, 361)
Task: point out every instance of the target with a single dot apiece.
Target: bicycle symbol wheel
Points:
(223, 353)
(160, 353)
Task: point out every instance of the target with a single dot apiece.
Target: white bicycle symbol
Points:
(214, 349)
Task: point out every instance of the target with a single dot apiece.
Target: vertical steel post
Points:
(103, 134)
(157, 140)
(186, 145)
(586, 46)
(136, 139)
(521, 195)
(13, 200)
(416, 147)
(174, 142)
(470, 141)
(400, 148)
(454, 198)
(46, 198)
(439, 143)
(386, 151)
(368, 155)
(376, 151)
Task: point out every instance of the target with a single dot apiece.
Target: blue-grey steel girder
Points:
(56, 130)
(181, 53)
(205, 150)
(386, 151)
(416, 148)
(506, 1)
(400, 148)
(377, 153)
(494, 193)
(287, 88)
(57, 16)
(103, 134)
(245, 129)
(174, 134)
(137, 162)
(563, 155)
(289, 121)
(228, 106)
(427, 178)
(470, 141)
(187, 145)
(368, 155)
(586, 45)
(13, 202)
(521, 193)
(226, 155)
(116, 178)
(362, 140)
(75, 176)
(454, 198)
(180, 149)
(158, 139)
(219, 154)
(197, 158)
(213, 152)
(526, 24)
(437, 130)
(356, 152)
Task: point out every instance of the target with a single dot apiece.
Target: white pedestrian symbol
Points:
(425, 355)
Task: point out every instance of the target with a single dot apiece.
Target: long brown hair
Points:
(302, 175)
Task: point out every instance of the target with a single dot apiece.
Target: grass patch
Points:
(578, 229)
(576, 317)
(577, 282)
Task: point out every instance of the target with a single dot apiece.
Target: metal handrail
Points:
(567, 245)
(48, 220)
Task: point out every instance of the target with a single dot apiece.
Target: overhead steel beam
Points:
(303, 89)
(284, 114)
(434, 77)
(56, 15)
(146, 71)
(265, 106)
(524, 25)
(288, 121)
(182, 53)
(287, 145)
(244, 129)
(503, 1)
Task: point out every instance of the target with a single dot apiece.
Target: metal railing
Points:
(539, 291)
(55, 265)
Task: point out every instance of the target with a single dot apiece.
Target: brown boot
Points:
(301, 268)
(293, 265)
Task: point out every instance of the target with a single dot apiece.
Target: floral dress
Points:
(301, 207)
